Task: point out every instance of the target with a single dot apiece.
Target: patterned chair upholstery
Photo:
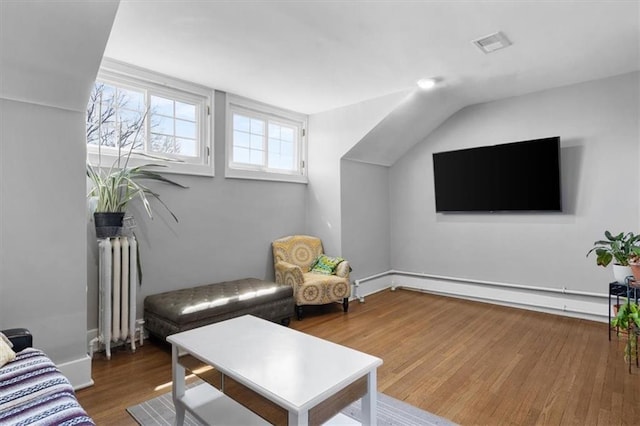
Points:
(293, 257)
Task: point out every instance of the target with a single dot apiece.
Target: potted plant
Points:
(634, 264)
(115, 186)
(113, 189)
(628, 319)
(618, 248)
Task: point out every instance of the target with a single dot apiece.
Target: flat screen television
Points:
(517, 176)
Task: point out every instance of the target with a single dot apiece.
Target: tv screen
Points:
(518, 176)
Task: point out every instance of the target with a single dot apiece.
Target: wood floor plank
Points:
(471, 362)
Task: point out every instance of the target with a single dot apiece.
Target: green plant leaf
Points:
(116, 187)
(621, 247)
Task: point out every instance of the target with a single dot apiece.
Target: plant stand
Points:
(633, 333)
(625, 290)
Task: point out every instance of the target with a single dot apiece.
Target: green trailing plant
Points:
(618, 247)
(628, 319)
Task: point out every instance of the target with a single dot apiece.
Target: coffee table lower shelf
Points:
(206, 402)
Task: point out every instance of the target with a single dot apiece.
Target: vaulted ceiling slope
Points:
(313, 56)
(50, 51)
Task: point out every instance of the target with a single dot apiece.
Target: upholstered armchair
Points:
(294, 258)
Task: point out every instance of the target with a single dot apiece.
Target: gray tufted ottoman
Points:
(179, 310)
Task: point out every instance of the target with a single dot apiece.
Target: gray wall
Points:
(331, 135)
(365, 217)
(42, 250)
(598, 125)
(224, 232)
(49, 57)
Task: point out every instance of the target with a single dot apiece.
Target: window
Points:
(160, 119)
(264, 142)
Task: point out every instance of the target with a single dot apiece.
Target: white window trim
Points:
(234, 103)
(119, 73)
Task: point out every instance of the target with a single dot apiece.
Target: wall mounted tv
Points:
(518, 176)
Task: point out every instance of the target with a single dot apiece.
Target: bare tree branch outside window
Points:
(113, 120)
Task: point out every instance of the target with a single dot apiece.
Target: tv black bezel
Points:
(502, 210)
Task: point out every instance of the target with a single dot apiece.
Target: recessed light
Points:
(426, 83)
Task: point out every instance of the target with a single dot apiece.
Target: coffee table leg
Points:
(369, 401)
(177, 371)
(299, 419)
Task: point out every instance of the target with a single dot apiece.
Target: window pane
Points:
(108, 133)
(282, 162)
(160, 124)
(186, 129)
(274, 160)
(241, 139)
(274, 146)
(186, 111)
(286, 134)
(287, 149)
(129, 116)
(161, 106)
(286, 163)
(131, 99)
(274, 131)
(241, 155)
(256, 157)
(114, 115)
(257, 142)
(241, 123)
(107, 107)
(188, 147)
(138, 141)
(106, 90)
(281, 147)
(93, 128)
(164, 144)
(257, 127)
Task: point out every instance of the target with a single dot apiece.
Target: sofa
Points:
(32, 389)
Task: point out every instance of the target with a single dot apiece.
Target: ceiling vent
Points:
(492, 42)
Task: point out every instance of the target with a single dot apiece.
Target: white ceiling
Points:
(312, 56)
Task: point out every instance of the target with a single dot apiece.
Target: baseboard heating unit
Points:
(118, 279)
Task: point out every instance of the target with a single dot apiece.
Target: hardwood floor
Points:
(470, 362)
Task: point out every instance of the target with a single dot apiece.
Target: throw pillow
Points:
(6, 353)
(326, 265)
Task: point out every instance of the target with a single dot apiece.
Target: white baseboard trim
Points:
(590, 306)
(92, 341)
(78, 372)
(373, 285)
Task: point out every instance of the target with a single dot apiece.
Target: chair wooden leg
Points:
(299, 312)
(345, 304)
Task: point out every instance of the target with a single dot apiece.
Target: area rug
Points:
(391, 412)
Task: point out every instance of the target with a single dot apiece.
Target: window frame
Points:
(151, 83)
(267, 113)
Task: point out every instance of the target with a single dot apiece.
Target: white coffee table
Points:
(298, 372)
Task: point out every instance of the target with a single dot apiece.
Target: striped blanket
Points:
(34, 392)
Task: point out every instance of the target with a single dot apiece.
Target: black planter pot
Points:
(108, 224)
